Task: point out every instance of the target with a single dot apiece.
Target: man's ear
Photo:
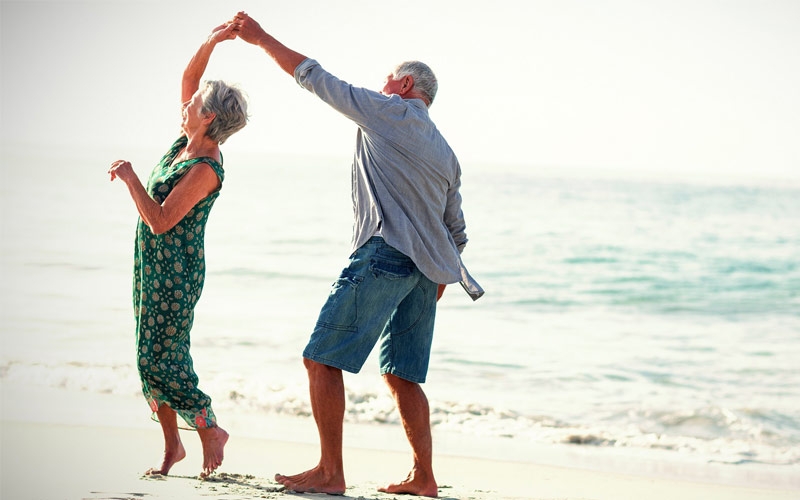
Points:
(408, 84)
(208, 118)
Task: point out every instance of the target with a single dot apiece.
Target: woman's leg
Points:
(213, 440)
(173, 447)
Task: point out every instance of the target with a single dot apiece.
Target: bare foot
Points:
(417, 483)
(315, 480)
(172, 455)
(213, 440)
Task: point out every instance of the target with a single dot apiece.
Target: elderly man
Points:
(409, 232)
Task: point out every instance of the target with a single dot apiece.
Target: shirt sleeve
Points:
(454, 216)
(356, 103)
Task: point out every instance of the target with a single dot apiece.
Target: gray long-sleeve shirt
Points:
(406, 179)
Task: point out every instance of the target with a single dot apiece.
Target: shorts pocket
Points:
(346, 279)
(340, 311)
(391, 264)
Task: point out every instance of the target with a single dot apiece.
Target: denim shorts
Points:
(379, 296)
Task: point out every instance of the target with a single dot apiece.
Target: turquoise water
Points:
(627, 313)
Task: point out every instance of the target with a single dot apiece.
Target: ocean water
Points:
(627, 313)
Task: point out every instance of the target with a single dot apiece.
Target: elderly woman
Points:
(169, 265)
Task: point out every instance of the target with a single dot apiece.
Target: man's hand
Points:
(251, 32)
(247, 28)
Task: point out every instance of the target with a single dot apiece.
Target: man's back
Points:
(406, 178)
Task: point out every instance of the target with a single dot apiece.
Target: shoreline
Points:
(106, 463)
(103, 442)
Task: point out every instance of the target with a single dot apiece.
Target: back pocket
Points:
(391, 264)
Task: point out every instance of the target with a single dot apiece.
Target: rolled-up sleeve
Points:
(302, 70)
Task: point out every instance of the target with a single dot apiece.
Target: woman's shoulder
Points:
(216, 165)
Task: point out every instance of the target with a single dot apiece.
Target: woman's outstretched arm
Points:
(197, 65)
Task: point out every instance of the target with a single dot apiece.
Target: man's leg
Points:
(173, 447)
(326, 386)
(415, 415)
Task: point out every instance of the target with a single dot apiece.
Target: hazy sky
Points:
(658, 86)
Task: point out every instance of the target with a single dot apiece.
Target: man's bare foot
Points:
(213, 440)
(315, 480)
(172, 455)
(417, 483)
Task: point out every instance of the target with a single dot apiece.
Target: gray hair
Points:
(229, 105)
(424, 79)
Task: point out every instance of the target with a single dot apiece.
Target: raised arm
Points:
(197, 65)
(251, 32)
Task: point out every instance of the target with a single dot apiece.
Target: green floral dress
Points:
(168, 275)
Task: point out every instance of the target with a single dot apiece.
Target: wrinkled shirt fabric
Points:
(405, 177)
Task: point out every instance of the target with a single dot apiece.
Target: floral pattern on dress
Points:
(169, 272)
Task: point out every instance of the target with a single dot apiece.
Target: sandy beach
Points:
(43, 460)
(48, 462)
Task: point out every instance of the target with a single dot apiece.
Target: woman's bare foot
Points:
(173, 454)
(315, 480)
(213, 440)
(416, 483)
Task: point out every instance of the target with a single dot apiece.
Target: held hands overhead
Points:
(240, 26)
(226, 31)
(246, 28)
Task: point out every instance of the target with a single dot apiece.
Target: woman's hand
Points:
(223, 32)
(122, 169)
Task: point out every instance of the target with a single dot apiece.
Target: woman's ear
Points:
(208, 118)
